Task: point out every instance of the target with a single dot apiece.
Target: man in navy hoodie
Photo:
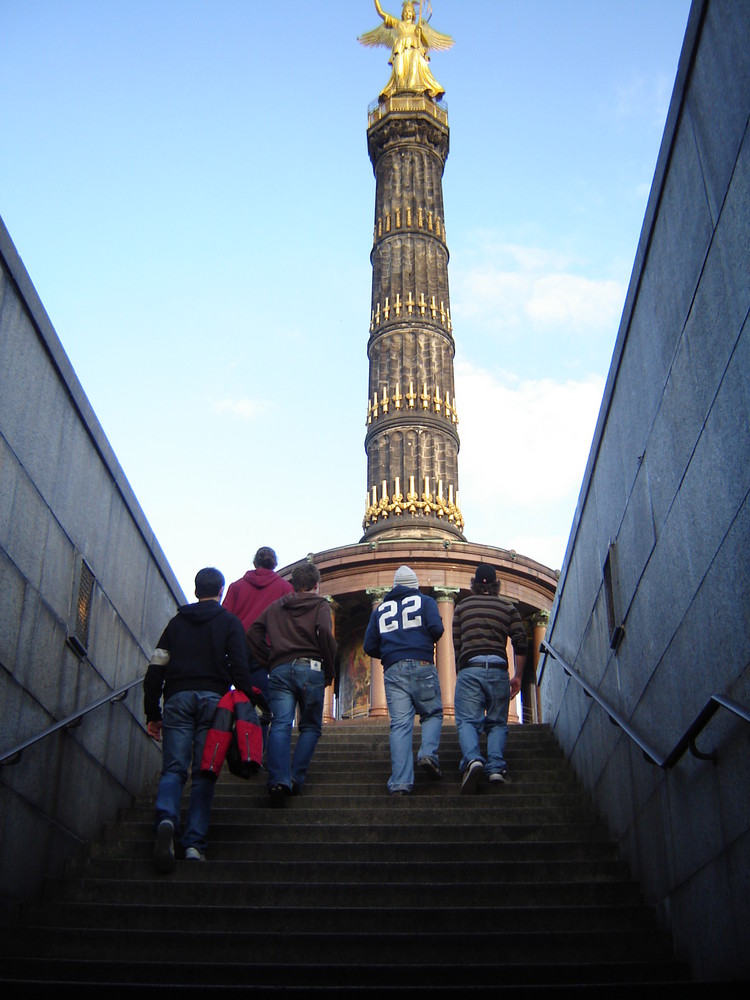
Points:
(402, 633)
(201, 653)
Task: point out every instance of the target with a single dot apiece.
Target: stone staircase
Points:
(347, 888)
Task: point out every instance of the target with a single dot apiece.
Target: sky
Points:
(188, 185)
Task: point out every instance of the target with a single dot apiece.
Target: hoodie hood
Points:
(401, 591)
(202, 611)
(260, 578)
(300, 604)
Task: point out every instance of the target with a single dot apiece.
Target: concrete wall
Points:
(63, 499)
(668, 483)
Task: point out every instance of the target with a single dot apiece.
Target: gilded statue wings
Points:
(381, 35)
(434, 39)
(386, 34)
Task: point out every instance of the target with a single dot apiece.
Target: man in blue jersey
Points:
(402, 633)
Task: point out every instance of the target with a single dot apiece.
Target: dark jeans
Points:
(292, 685)
(187, 718)
(259, 676)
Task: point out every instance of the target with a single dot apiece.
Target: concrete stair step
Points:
(351, 811)
(373, 782)
(182, 889)
(459, 871)
(282, 919)
(347, 945)
(319, 980)
(575, 836)
(406, 813)
(364, 848)
(371, 768)
(328, 754)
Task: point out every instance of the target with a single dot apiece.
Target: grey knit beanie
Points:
(405, 577)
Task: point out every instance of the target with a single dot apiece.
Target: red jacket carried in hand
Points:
(235, 736)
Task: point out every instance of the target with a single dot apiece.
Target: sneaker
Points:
(400, 793)
(500, 777)
(296, 788)
(472, 774)
(430, 766)
(164, 847)
(278, 795)
(193, 854)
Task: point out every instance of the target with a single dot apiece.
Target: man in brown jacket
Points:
(294, 637)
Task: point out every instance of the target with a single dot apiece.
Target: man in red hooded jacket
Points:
(247, 598)
(258, 588)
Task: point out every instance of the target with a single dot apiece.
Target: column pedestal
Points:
(328, 712)
(445, 658)
(378, 703)
(539, 623)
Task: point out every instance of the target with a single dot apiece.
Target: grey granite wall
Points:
(64, 503)
(666, 497)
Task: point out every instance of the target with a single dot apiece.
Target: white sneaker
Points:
(472, 774)
(193, 854)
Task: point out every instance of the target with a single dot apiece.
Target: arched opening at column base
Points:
(355, 577)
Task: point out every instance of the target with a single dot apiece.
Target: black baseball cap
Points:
(485, 574)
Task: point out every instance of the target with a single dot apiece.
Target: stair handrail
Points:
(12, 756)
(685, 742)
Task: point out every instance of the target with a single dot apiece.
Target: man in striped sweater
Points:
(482, 625)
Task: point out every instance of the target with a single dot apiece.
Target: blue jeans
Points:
(412, 686)
(187, 718)
(291, 685)
(481, 702)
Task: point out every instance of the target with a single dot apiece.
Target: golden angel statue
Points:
(408, 39)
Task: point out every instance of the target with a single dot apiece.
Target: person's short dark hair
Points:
(265, 558)
(305, 577)
(485, 580)
(208, 582)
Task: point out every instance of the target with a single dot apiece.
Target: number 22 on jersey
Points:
(393, 615)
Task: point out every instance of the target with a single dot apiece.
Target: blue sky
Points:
(187, 183)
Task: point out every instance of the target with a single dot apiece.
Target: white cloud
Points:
(575, 302)
(644, 98)
(512, 288)
(524, 448)
(245, 409)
